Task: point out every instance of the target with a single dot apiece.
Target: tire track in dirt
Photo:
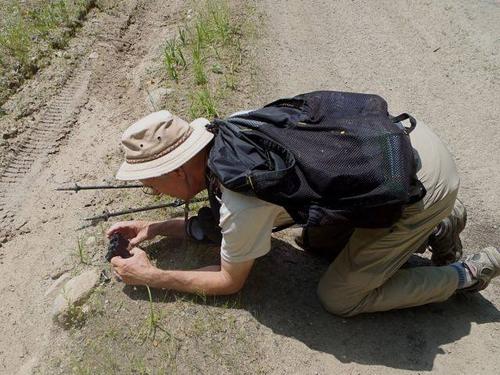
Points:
(42, 139)
(68, 139)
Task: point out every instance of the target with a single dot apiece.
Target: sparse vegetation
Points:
(203, 58)
(30, 32)
(81, 252)
(203, 103)
(154, 318)
(166, 332)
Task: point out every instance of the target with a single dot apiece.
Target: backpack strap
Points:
(405, 116)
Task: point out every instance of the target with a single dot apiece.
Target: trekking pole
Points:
(106, 215)
(77, 187)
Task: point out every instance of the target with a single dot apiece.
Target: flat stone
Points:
(156, 98)
(74, 293)
(56, 285)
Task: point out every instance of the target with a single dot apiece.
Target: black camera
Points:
(118, 246)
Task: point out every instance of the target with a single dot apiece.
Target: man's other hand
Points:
(134, 231)
(136, 270)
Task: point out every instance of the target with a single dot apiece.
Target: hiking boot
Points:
(444, 242)
(483, 267)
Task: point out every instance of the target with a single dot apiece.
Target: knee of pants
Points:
(336, 302)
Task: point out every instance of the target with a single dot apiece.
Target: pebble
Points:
(156, 98)
(90, 241)
(94, 55)
(10, 134)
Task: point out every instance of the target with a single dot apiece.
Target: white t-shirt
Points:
(247, 224)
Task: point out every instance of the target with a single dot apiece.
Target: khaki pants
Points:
(366, 275)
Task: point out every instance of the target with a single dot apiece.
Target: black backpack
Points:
(326, 157)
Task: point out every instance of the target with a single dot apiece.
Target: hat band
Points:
(164, 152)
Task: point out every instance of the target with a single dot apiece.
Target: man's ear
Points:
(180, 172)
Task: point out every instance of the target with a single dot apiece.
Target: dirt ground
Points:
(436, 60)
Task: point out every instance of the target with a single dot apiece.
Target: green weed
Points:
(82, 252)
(183, 36)
(209, 50)
(218, 12)
(173, 59)
(75, 316)
(29, 32)
(198, 68)
(153, 317)
(203, 104)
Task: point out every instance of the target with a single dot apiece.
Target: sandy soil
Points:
(436, 60)
(439, 61)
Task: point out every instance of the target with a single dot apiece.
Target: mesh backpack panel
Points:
(324, 156)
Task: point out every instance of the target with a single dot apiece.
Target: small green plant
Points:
(202, 33)
(203, 104)
(183, 36)
(75, 316)
(171, 60)
(198, 68)
(218, 12)
(174, 58)
(154, 319)
(82, 252)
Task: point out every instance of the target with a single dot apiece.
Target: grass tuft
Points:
(203, 103)
(30, 32)
(208, 49)
(82, 252)
(200, 77)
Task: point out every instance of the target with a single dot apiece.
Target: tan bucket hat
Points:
(160, 143)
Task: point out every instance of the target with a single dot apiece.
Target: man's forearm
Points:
(170, 228)
(209, 280)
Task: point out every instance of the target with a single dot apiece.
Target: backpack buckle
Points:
(405, 116)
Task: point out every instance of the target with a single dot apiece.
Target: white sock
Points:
(465, 276)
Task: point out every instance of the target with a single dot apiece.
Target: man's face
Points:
(173, 184)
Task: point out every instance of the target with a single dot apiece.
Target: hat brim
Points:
(198, 139)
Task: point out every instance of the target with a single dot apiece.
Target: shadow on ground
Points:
(281, 294)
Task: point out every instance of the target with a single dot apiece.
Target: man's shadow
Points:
(281, 294)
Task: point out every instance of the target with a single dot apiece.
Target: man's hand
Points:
(134, 231)
(136, 270)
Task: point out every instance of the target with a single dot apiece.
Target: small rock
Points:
(90, 241)
(74, 293)
(156, 98)
(10, 133)
(94, 55)
(217, 68)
